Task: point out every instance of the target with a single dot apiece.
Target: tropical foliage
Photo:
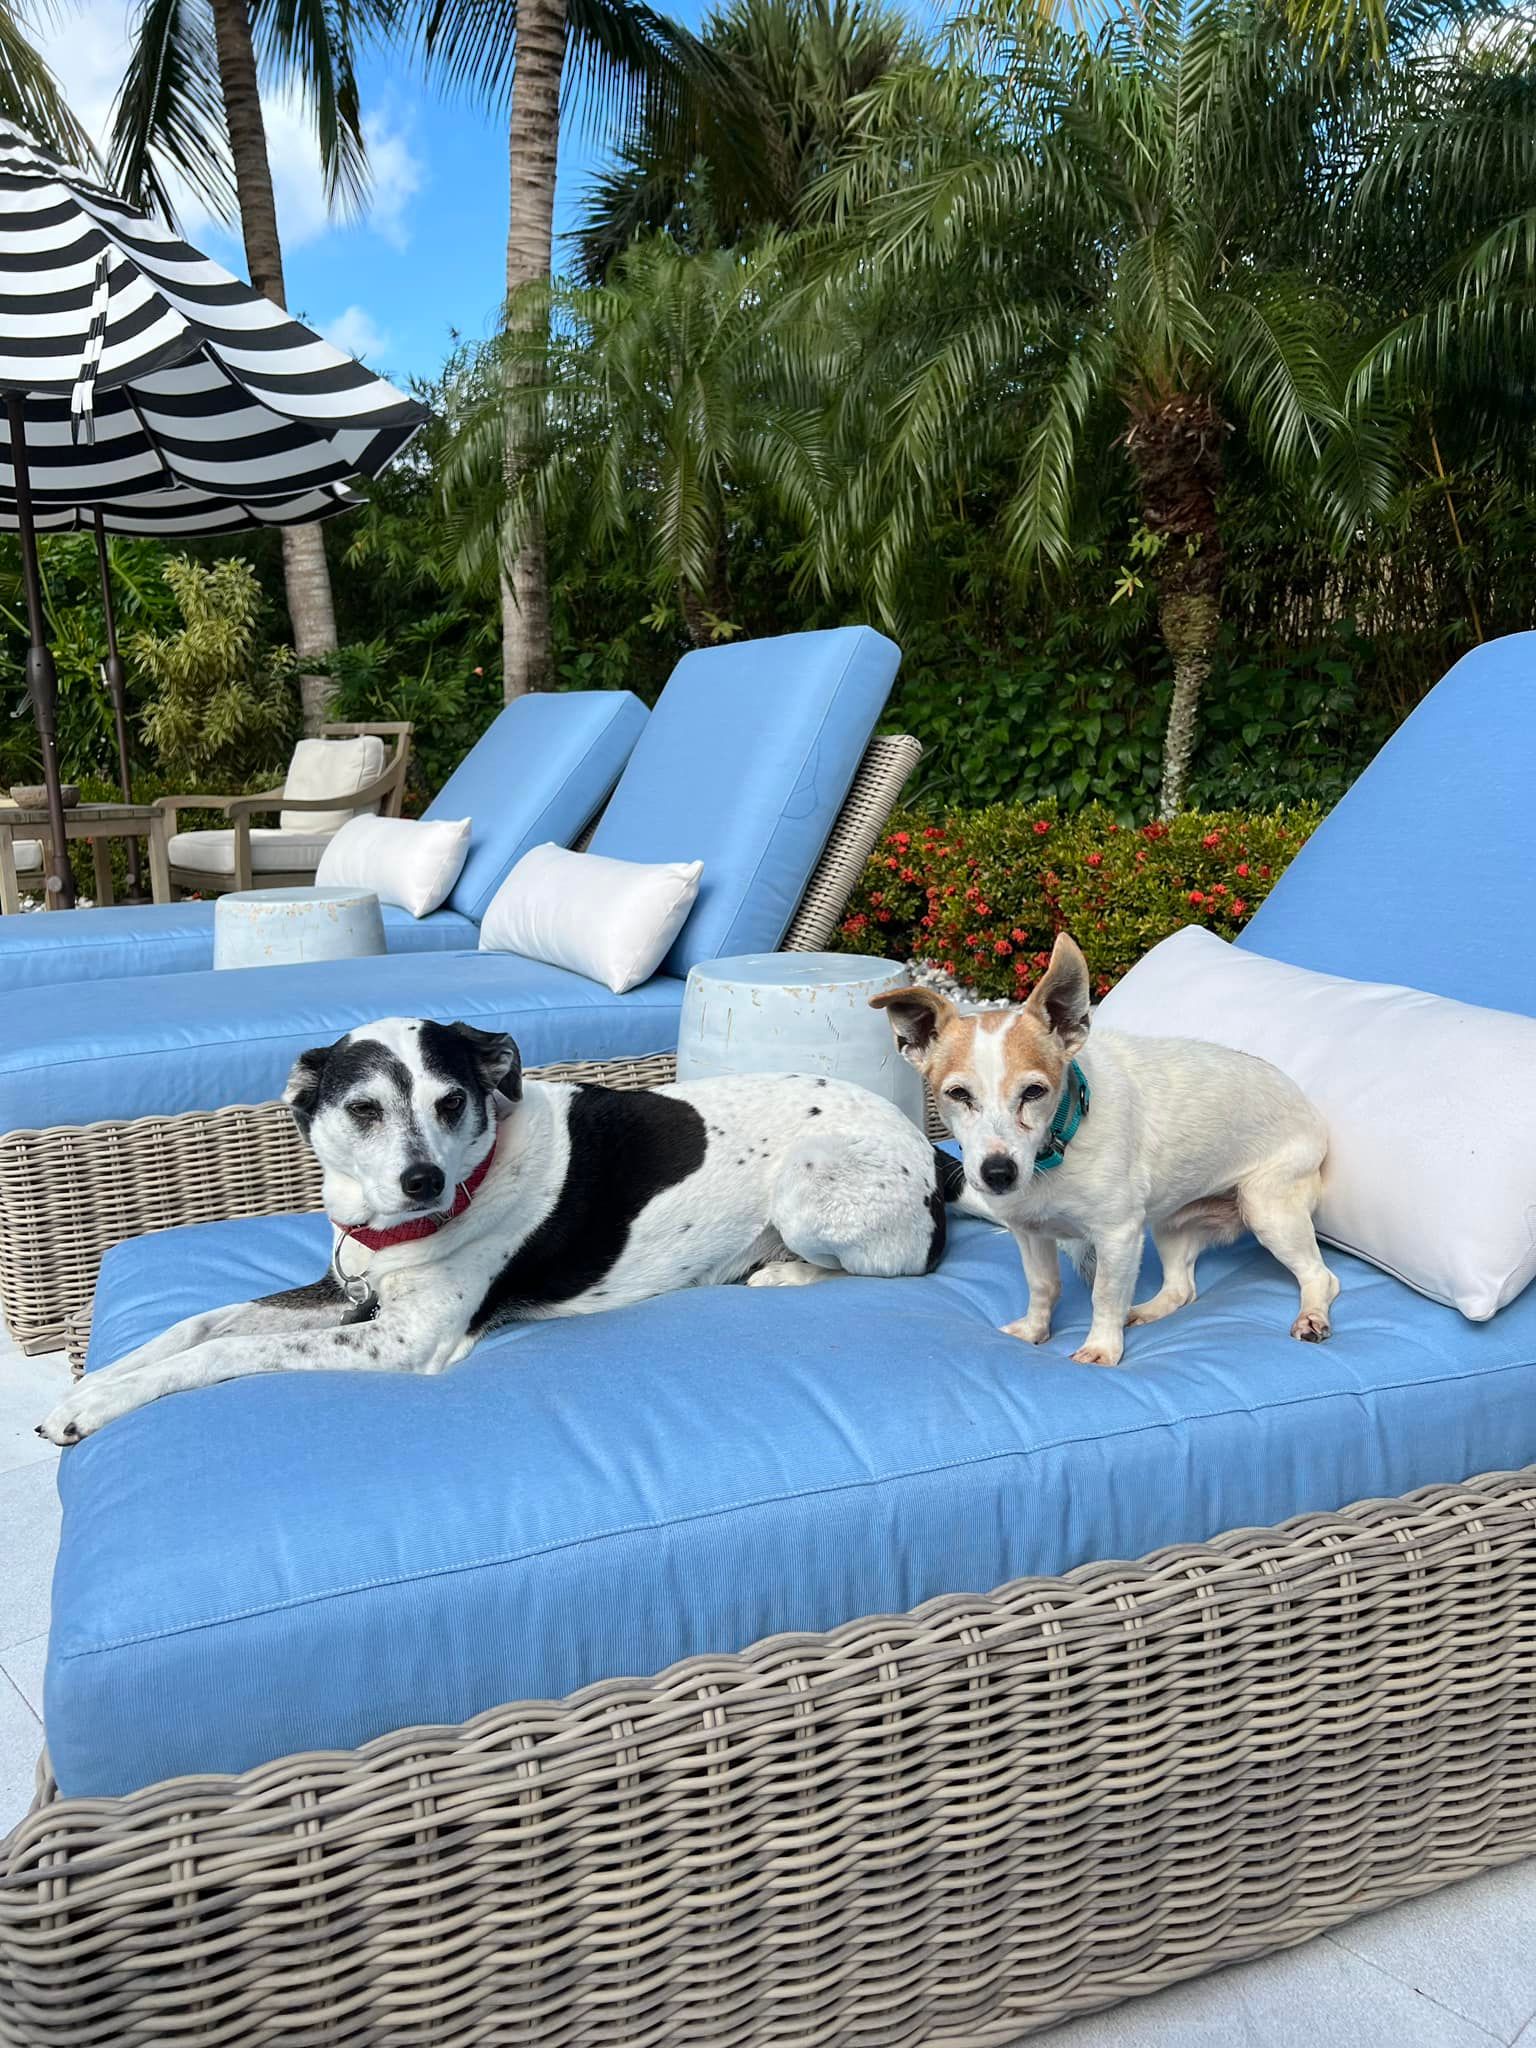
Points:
(1164, 381)
(222, 709)
(984, 893)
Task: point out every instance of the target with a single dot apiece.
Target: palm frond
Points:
(314, 43)
(31, 96)
(169, 112)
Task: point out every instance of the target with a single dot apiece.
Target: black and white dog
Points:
(462, 1200)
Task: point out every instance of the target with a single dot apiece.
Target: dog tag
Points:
(359, 1292)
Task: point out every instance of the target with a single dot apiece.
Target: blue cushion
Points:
(168, 938)
(307, 1560)
(172, 1042)
(744, 765)
(539, 771)
(1426, 872)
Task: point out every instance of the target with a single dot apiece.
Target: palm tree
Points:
(1109, 240)
(741, 162)
(513, 54)
(190, 104)
(662, 408)
(29, 92)
(1443, 225)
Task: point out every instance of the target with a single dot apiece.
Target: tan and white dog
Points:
(1085, 1144)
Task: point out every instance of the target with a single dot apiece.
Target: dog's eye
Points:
(364, 1110)
(962, 1098)
(1032, 1093)
(450, 1107)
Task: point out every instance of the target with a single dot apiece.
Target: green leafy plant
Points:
(984, 893)
(224, 707)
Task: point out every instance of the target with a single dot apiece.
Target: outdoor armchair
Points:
(246, 856)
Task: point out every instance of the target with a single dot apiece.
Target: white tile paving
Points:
(1457, 1970)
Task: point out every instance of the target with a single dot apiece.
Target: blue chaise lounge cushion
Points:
(167, 938)
(1425, 873)
(174, 1042)
(744, 765)
(539, 772)
(307, 1560)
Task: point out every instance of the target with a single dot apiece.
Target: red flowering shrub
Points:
(984, 893)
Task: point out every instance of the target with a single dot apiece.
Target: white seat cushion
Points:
(273, 852)
(29, 855)
(330, 768)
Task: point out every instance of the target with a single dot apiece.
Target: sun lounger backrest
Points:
(539, 772)
(744, 765)
(1425, 873)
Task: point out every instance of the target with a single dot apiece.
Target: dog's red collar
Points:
(420, 1226)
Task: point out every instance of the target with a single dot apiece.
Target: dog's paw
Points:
(1312, 1327)
(1098, 1354)
(1029, 1329)
(788, 1273)
(64, 1426)
(1153, 1310)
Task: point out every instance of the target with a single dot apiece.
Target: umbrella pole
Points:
(117, 683)
(42, 676)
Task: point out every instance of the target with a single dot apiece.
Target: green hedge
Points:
(982, 894)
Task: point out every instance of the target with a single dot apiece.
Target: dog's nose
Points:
(999, 1172)
(422, 1183)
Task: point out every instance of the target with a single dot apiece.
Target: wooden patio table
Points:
(99, 823)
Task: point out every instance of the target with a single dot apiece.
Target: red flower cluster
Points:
(982, 891)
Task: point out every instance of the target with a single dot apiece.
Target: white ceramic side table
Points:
(796, 1013)
(280, 927)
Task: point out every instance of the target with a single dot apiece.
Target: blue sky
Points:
(427, 257)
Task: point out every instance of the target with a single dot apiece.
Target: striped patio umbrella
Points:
(143, 381)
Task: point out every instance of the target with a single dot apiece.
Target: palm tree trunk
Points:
(1175, 442)
(533, 146)
(1189, 622)
(305, 574)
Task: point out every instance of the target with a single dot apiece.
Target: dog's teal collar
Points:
(1067, 1121)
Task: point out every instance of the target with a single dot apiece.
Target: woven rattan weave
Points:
(69, 1193)
(948, 1827)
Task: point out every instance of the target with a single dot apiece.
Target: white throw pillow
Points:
(330, 768)
(612, 920)
(1430, 1106)
(409, 861)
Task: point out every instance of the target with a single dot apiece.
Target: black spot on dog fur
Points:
(326, 1292)
(627, 1146)
(948, 1181)
(813, 1111)
(478, 1061)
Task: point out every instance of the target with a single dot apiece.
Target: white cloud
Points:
(355, 331)
(87, 46)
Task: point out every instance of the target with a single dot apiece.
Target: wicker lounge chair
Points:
(946, 1827)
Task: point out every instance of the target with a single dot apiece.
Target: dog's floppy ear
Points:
(917, 1017)
(1060, 998)
(303, 1089)
(497, 1059)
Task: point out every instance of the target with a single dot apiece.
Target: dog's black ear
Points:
(1060, 999)
(303, 1089)
(917, 1017)
(497, 1059)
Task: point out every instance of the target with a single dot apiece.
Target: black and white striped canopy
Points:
(145, 366)
(171, 514)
